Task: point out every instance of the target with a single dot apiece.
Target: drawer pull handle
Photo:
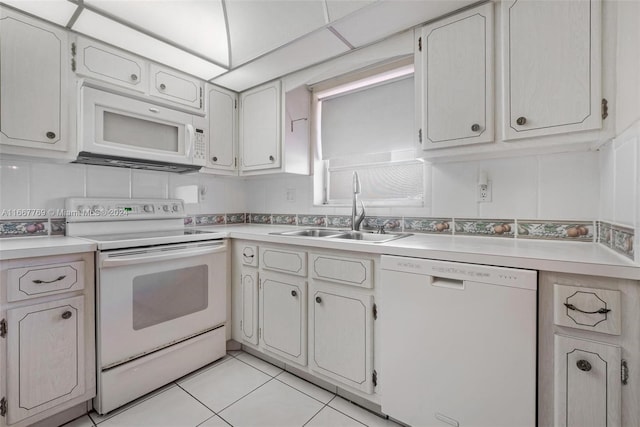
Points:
(583, 365)
(598, 311)
(67, 315)
(247, 256)
(38, 281)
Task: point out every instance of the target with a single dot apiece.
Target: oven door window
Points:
(168, 295)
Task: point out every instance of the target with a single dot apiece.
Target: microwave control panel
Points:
(199, 147)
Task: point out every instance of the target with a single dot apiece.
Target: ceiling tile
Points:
(112, 32)
(58, 11)
(340, 8)
(197, 25)
(258, 26)
(391, 16)
(315, 48)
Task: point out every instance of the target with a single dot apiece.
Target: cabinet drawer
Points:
(176, 87)
(284, 260)
(348, 271)
(249, 255)
(587, 308)
(110, 65)
(39, 280)
(587, 383)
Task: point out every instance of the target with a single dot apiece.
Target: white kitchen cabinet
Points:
(47, 349)
(249, 317)
(454, 80)
(222, 157)
(341, 334)
(283, 316)
(283, 260)
(34, 109)
(338, 268)
(274, 130)
(107, 64)
(45, 359)
(587, 383)
(176, 87)
(551, 78)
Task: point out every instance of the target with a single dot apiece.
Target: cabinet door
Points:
(551, 77)
(110, 65)
(283, 316)
(249, 320)
(587, 383)
(455, 74)
(340, 337)
(45, 360)
(33, 83)
(222, 129)
(176, 87)
(260, 127)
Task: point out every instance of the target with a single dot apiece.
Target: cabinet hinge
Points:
(624, 372)
(259, 332)
(420, 136)
(374, 378)
(235, 104)
(375, 311)
(605, 108)
(420, 44)
(73, 64)
(3, 406)
(73, 49)
(3, 328)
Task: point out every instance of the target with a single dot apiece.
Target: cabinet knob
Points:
(475, 127)
(51, 135)
(134, 77)
(294, 294)
(67, 315)
(163, 86)
(318, 300)
(583, 365)
(521, 121)
(271, 158)
(214, 158)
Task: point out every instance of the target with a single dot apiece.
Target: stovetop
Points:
(150, 238)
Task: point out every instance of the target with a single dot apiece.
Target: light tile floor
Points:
(238, 390)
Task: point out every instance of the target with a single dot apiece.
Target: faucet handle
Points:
(381, 229)
(360, 217)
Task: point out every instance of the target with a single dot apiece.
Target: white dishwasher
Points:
(458, 343)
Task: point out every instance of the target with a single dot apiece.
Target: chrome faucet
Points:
(356, 219)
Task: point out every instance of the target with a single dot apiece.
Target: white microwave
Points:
(117, 130)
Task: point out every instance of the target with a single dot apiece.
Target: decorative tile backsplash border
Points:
(615, 237)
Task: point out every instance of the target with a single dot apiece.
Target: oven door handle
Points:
(163, 256)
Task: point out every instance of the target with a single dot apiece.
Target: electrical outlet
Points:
(291, 194)
(484, 192)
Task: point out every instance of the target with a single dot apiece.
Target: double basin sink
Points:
(344, 234)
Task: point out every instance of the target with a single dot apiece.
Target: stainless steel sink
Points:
(343, 234)
(310, 232)
(371, 237)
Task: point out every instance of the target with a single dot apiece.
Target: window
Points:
(367, 125)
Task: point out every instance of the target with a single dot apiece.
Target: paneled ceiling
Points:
(238, 43)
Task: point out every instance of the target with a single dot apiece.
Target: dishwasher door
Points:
(458, 343)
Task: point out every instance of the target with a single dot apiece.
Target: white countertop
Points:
(545, 255)
(26, 247)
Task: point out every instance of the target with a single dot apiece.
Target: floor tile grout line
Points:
(213, 416)
(314, 415)
(239, 399)
(255, 367)
(202, 370)
(358, 406)
(306, 394)
(197, 400)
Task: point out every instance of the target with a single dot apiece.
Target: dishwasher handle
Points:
(155, 257)
(441, 282)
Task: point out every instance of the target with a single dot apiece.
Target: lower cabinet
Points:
(283, 316)
(45, 360)
(249, 294)
(587, 383)
(341, 335)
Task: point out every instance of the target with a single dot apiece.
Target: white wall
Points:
(554, 186)
(33, 185)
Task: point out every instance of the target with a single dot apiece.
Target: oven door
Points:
(116, 125)
(150, 298)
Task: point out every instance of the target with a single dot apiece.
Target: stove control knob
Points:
(165, 208)
(148, 208)
(175, 208)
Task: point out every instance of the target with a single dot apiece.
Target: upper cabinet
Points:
(33, 83)
(454, 80)
(175, 86)
(222, 156)
(551, 62)
(274, 130)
